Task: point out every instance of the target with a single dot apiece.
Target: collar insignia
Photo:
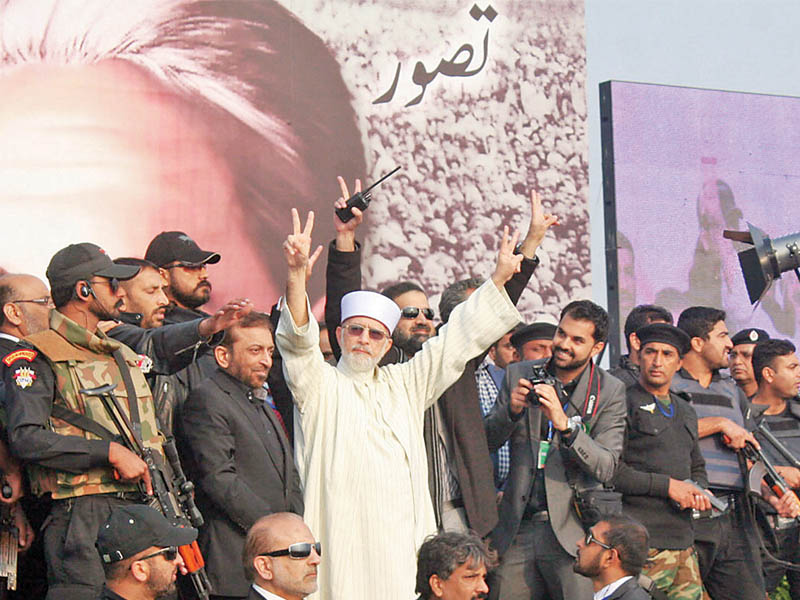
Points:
(651, 408)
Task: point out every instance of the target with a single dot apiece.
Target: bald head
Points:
(24, 304)
(285, 576)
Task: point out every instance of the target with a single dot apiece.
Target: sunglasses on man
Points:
(376, 335)
(170, 553)
(412, 312)
(590, 538)
(298, 551)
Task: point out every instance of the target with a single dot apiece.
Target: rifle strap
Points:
(83, 422)
(130, 389)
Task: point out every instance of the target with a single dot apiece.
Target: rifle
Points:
(762, 468)
(776, 443)
(177, 506)
(9, 539)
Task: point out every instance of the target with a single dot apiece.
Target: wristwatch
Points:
(573, 424)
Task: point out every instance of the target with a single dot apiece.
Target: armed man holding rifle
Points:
(75, 449)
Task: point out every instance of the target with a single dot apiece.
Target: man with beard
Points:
(562, 437)
(741, 359)
(726, 544)
(362, 454)
(234, 447)
(281, 558)
(146, 302)
(453, 566)
(139, 551)
(460, 471)
(66, 436)
(612, 555)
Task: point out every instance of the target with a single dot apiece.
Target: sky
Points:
(736, 45)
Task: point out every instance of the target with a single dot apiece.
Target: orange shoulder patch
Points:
(16, 355)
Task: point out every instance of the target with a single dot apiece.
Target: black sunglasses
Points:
(411, 312)
(374, 334)
(170, 553)
(112, 282)
(590, 538)
(297, 550)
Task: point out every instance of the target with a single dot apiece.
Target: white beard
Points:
(358, 362)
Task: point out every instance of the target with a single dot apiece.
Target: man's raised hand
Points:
(297, 246)
(539, 224)
(508, 263)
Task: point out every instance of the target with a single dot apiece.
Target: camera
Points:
(538, 375)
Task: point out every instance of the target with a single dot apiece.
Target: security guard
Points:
(777, 372)
(67, 436)
(660, 454)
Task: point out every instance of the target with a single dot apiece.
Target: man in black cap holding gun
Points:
(139, 551)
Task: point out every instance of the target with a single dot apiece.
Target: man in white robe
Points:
(361, 455)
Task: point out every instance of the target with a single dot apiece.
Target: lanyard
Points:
(550, 423)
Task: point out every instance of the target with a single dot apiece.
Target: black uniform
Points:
(660, 443)
(727, 546)
(626, 371)
(786, 541)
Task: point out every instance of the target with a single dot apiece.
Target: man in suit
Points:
(281, 558)
(236, 451)
(564, 436)
(612, 554)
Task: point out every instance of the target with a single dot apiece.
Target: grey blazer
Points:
(591, 459)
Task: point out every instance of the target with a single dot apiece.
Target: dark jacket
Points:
(630, 590)
(591, 458)
(237, 454)
(460, 406)
(657, 448)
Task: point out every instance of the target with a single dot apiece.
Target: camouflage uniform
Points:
(65, 461)
(676, 573)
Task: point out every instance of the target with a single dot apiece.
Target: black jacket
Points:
(630, 590)
(237, 454)
(656, 449)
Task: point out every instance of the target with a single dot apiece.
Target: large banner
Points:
(681, 166)
(120, 119)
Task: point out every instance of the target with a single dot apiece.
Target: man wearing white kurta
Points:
(361, 455)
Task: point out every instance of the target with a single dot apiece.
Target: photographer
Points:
(563, 436)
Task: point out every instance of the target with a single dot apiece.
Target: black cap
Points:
(534, 331)
(666, 334)
(750, 336)
(82, 261)
(131, 529)
(169, 246)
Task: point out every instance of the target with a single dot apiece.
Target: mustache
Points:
(204, 284)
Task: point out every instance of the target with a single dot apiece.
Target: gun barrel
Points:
(778, 445)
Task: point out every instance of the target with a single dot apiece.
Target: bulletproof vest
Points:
(75, 368)
(787, 429)
(717, 400)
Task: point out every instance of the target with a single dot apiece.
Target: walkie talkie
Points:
(360, 200)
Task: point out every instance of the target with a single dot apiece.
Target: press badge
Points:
(544, 449)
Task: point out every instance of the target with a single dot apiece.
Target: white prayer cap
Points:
(373, 305)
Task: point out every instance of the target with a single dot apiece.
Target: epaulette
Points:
(23, 351)
(682, 394)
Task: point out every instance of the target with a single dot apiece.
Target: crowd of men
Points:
(544, 475)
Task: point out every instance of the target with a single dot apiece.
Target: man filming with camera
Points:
(566, 421)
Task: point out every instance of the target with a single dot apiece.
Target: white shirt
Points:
(605, 592)
(360, 449)
(265, 593)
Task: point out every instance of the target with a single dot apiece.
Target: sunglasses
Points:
(375, 335)
(590, 538)
(302, 550)
(45, 301)
(411, 312)
(170, 553)
(112, 282)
